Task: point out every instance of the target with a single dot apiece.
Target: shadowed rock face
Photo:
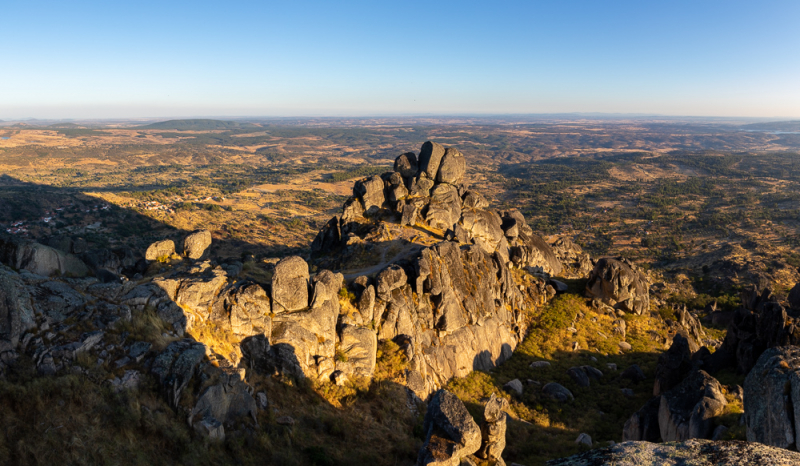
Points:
(687, 410)
(620, 284)
(673, 365)
(760, 324)
(794, 297)
(40, 259)
(406, 165)
(430, 157)
(692, 452)
(772, 398)
(643, 424)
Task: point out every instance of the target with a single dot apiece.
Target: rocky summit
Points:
(434, 266)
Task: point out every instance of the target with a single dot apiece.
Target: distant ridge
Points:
(197, 125)
(793, 125)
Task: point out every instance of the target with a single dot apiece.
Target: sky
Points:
(125, 59)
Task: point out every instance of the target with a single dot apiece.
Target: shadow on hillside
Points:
(75, 217)
(547, 428)
(326, 420)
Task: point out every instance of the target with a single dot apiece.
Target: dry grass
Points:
(548, 429)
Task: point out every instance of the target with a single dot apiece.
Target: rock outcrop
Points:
(431, 191)
(620, 284)
(576, 263)
(761, 323)
(688, 410)
(692, 452)
(685, 411)
(455, 301)
(493, 431)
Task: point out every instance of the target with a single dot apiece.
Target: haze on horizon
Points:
(152, 59)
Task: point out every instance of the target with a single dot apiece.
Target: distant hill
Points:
(774, 126)
(64, 125)
(197, 125)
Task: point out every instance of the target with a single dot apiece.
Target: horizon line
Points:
(617, 115)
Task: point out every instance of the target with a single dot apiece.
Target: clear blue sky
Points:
(132, 59)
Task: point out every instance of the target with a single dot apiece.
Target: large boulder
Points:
(444, 209)
(160, 249)
(358, 347)
(406, 165)
(450, 432)
(197, 291)
(390, 279)
(195, 245)
(40, 259)
(688, 410)
(772, 398)
(692, 452)
(370, 192)
(228, 403)
(395, 188)
(576, 263)
(528, 249)
(175, 367)
(452, 168)
(329, 237)
(290, 285)
(620, 284)
(249, 310)
(102, 260)
(430, 157)
(483, 227)
(759, 324)
(304, 342)
(557, 392)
